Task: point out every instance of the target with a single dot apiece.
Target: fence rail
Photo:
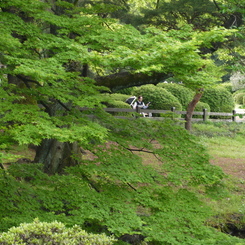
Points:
(232, 116)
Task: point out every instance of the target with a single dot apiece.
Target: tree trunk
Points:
(190, 109)
(57, 155)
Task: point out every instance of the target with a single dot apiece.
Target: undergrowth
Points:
(171, 201)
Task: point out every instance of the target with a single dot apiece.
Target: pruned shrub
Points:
(239, 91)
(238, 97)
(125, 91)
(227, 86)
(219, 99)
(160, 98)
(200, 106)
(118, 97)
(51, 233)
(183, 94)
(117, 101)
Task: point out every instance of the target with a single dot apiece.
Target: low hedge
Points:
(51, 233)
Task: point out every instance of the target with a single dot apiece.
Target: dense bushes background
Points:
(159, 97)
(219, 99)
(183, 94)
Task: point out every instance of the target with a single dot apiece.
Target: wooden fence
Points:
(172, 113)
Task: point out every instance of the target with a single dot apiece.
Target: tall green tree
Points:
(57, 54)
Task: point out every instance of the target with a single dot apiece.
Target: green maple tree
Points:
(53, 55)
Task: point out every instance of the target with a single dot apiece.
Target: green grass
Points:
(222, 139)
(225, 140)
(226, 146)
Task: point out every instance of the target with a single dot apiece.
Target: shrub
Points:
(117, 101)
(51, 233)
(159, 97)
(239, 91)
(227, 86)
(219, 99)
(183, 94)
(126, 91)
(238, 97)
(200, 106)
(119, 97)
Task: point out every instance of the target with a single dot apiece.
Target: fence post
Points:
(137, 110)
(173, 109)
(233, 116)
(204, 116)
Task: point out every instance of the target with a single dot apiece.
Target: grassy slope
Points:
(225, 143)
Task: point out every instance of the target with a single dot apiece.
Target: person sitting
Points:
(139, 103)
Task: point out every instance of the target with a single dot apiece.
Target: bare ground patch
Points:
(233, 167)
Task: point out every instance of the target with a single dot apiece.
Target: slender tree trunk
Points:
(190, 109)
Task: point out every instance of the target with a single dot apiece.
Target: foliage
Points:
(228, 86)
(238, 98)
(212, 129)
(219, 99)
(114, 192)
(51, 233)
(228, 130)
(128, 91)
(117, 101)
(118, 97)
(183, 94)
(160, 98)
(172, 14)
(200, 106)
(50, 51)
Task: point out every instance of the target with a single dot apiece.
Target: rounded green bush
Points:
(219, 99)
(199, 107)
(119, 97)
(227, 86)
(125, 91)
(183, 94)
(51, 233)
(238, 97)
(238, 91)
(117, 101)
(159, 97)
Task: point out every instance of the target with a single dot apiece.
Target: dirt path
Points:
(234, 167)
